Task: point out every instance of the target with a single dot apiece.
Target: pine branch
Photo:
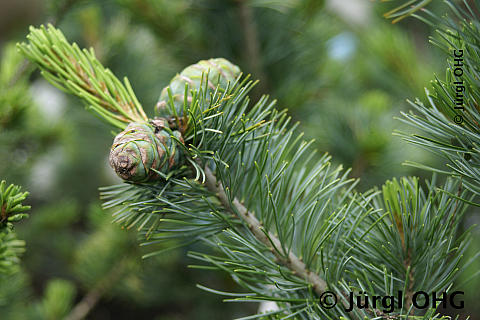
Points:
(422, 219)
(78, 72)
(187, 210)
(448, 125)
(286, 258)
(308, 225)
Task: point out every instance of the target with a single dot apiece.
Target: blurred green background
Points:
(340, 68)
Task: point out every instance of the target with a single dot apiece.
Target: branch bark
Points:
(291, 261)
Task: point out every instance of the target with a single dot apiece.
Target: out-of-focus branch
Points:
(89, 301)
(252, 45)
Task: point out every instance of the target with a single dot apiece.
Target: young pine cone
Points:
(220, 71)
(142, 147)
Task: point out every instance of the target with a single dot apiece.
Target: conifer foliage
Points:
(448, 124)
(236, 175)
(11, 210)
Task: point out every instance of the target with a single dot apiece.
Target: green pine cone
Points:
(220, 72)
(142, 147)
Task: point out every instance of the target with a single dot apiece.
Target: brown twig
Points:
(407, 262)
(409, 293)
(19, 73)
(89, 301)
(3, 214)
